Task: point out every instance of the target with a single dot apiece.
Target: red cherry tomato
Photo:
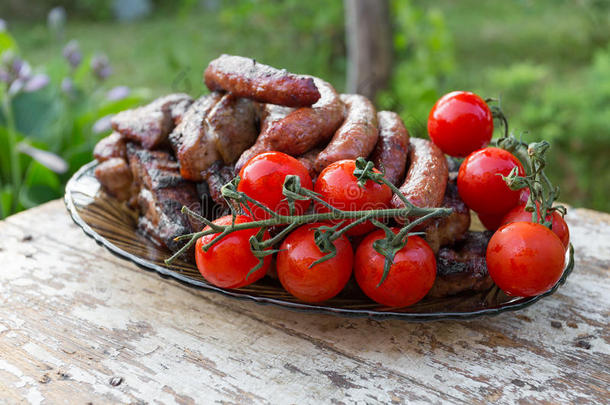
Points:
(480, 184)
(491, 221)
(262, 178)
(338, 186)
(321, 281)
(411, 275)
(525, 259)
(558, 224)
(227, 263)
(460, 123)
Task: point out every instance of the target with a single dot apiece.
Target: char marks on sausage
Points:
(244, 77)
(151, 124)
(302, 129)
(427, 175)
(356, 137)
(391, 151)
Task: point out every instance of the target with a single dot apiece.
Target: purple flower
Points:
(67, 85)
(15, 87)
(102, 125)
(117, 93)
(101, 66)
(72, 53)
(5, 75)
(36, 82)
(48, 159)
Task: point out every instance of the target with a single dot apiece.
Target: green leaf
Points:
(6, 196)
(40, 185)
(7, 42)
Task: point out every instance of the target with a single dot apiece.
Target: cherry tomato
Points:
(480, 184)
(338, 186)
(321, 281)
(460, 123)
(227, 263)
(491, 221)
(262, 178)
(411, 275)
(558, 224)
(525, 259)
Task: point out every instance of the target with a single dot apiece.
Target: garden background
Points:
(67, 65)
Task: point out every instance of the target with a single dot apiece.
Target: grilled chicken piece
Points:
(448, 230)
(462, 267)
(192, 143)
(232, 123)
(112, 146)
(216, 176)
(151, 124)
(115, 177)
(162, 194)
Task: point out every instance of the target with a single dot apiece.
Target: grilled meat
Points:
(462, 267)
(302, 129)
(356, 137)
(245, 77)
(216, 176)
(162, 194)
(151, 124)
(232, 124)
(195, 148)
(115, 177)
(392, 148)
(447, 230)
(112, 146)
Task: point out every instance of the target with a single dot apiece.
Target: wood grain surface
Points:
(79, 325)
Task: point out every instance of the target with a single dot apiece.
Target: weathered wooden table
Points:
(80, 325)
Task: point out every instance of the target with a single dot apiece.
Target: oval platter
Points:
(113, 225)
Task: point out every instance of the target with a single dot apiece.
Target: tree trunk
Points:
(369, 46)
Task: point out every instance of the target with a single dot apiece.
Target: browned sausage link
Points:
(392, 147)
(427, 176)
(357, 135)
(302, 129)
(244, 77)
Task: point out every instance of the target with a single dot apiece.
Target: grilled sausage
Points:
(427, 175)
(302, 129)
(308, 160)
(271, 113)
(392, 146)
(357, 135)
(244, 77)
(232, 124)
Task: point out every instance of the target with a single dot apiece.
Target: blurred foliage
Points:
(48, 121)
(547, 60)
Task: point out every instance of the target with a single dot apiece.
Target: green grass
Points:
(536, 55)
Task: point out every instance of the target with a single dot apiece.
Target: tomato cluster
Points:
(523, 258)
